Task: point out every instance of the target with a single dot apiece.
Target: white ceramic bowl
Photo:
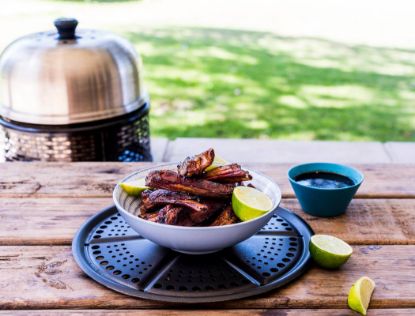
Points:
(193, 240)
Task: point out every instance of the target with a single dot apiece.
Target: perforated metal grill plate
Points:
(111, 253)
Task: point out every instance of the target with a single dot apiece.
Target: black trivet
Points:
(111, 253)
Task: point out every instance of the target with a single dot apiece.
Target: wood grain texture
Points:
(45, 221)
(45, 203)
(204, 312)
(94, 179)
(54, 221)
(366, 221)
(41, 277)
(82, 179)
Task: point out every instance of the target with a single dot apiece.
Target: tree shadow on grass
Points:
(223, 83)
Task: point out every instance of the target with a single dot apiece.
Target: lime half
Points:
(329, 252)
(217, 162)
(249, 203)
(134, 187)
(360, 294)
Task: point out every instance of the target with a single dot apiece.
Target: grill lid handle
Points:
(66, 28)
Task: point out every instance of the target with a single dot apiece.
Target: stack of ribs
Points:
(192, 196)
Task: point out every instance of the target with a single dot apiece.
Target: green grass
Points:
(230, 83)
(223, 83)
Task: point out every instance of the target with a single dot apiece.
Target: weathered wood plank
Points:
(23, 220)
(98, 179)
(402, 152)
(368, 221)
(280, 151)
(83, 179)
(47, 277)
(233, 312)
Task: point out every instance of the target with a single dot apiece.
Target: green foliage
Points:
(223, 83)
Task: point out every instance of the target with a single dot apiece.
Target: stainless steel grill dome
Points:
(72, 83)
(64, 78)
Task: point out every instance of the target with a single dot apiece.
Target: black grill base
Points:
(111, 253)
(125, 138)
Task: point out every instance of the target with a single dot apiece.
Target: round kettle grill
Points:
(73, 95)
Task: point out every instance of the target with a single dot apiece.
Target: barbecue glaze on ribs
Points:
(171, 180)
(195, 165)
(232, 173)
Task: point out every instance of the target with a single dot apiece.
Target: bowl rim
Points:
(194, 228)
(331, 164)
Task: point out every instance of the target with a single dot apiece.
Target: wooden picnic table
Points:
(43, 204)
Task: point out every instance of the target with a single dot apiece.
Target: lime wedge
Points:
(217, 162)
(249, 203)
(134, 187)
(329, 252)
(360, 294)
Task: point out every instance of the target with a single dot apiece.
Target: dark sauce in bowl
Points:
(324, 180)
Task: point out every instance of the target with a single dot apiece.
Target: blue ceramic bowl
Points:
(325, 202)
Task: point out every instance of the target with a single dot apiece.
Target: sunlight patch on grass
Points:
(257, 124)
(232, 79)
(279, 82)
(336, 96)
(218, 53)
(192, 118)
(292, 101)
(324, 54)
(147, 49)
(185, 75)
(255, 90)
(407, 95)
(245, 117)
(243, 107)
(394, 69)
(177, 105)
(299, 135)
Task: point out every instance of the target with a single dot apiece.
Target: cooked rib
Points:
(152, 199)
(213, 207)
(169, 214)
(226, 217)
(227, 174)
(195, 165)
(152, 217)
(171, 180)
(184, 219)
